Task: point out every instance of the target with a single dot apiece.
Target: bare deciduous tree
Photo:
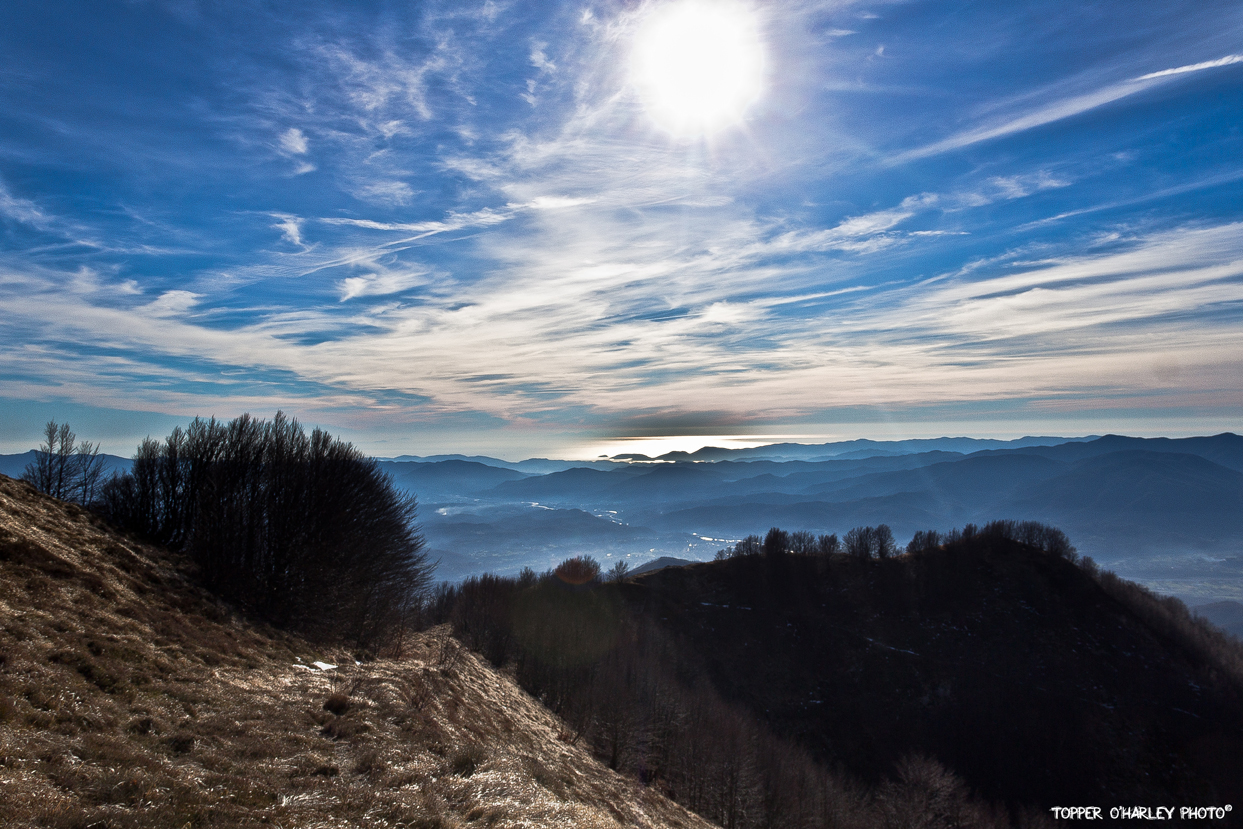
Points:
(64, 468)
(619, 571)
(859, 542)
(802, 543)
(882, 537)
(776, 542)
(924, 540)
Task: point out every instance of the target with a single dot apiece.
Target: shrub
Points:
(619, 571)
(578, 570)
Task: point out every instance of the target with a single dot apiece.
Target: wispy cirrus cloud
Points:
(382, 282)
(1061, 109)
(22, 210)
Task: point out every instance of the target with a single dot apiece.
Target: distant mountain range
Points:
(15, 465)
(1123, 500)
(861, 448)
(1120, 498)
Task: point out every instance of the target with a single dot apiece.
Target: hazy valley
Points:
(1168, 513)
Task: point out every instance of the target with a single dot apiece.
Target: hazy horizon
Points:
(652, 446)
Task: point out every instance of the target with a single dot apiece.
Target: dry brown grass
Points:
(130, 698)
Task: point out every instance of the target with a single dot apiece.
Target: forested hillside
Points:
(1034, 679)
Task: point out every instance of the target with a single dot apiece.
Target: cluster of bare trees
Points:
(1032, 533)
(65, 467)
(871, 542)
(777, 542)
(861, 542)
(710, 755)
(878, 541)
(302, 529)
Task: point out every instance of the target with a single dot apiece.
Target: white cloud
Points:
(871, 223)
(22, 210)
(381, 283)
(1061, 109)
(390, 83)
(293, 141)
(540, 60)
(455, 221)
(556, 202)
(1021, 186)
(290, 228)
(388, 193)
(865, 233)
(1004, 188)
(613, 325)
(1194, 67)
(171, 303)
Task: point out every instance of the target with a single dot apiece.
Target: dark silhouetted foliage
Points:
(622, 687)
(752, 545)
(776, 543)
(1032, 533)
(924, 540)
(619, 572)
(871, 542)
(578, 570)
(301, 529)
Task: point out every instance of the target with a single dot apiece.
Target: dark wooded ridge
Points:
(763, 688)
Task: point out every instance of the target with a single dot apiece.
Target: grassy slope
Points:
(128, 697)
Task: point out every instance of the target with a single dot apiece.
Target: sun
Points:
(698, 65)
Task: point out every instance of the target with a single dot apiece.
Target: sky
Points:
(522, 228)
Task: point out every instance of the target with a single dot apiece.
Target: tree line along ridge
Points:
(300, 529)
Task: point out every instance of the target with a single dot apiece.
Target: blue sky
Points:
(464, 227)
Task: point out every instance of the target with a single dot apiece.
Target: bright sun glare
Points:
(698, 65)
